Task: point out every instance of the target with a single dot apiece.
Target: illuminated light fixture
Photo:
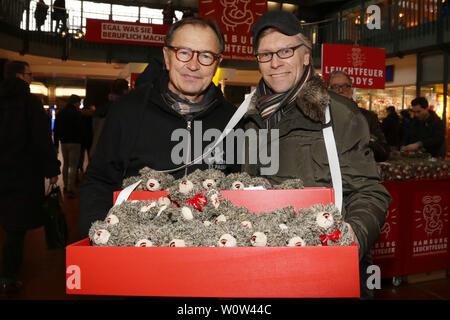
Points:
(64, 33)
(288, 7)
(38, 88)
(79, 34)
(272, 6)
(67, 92)
(400, 15)
(302, 21)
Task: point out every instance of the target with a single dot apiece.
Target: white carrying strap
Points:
(237, 116)
(333, 160)
(125, 193)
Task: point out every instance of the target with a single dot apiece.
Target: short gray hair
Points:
(336, 73)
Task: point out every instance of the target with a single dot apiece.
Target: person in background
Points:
(405, 125)
(427, 130)
(292, 98)
(187, 13)
(68, 130)
(86, 142)
(341, 83)
(27, 157)
(40, 14)
(391, 128)
(118, 88)
(60, 15)
(169, 13)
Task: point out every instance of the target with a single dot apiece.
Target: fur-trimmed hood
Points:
(312, 100)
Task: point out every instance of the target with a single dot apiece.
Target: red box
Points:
(243, 272)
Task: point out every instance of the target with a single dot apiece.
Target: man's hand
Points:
(53, 180)
(410, 147)
(355, 238)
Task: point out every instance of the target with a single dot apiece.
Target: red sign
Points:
(364, 65)
(235, 18)
(133, 77)
(125, 32)
(386, 245)
(430, 224)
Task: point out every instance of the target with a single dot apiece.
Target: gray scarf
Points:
(188, 108)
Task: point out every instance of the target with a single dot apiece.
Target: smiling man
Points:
(140, 125)
(292, 98)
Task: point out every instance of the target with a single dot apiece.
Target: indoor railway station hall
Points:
(191, 153)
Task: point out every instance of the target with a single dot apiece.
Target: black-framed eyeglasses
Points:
(284, 53)
(344, 86)
(205, 58)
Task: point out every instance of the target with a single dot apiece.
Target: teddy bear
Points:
(100, 234)
(290, 184)
(236, 181)
(325, 225)
(152, 180)
(185, 234)
(233, 233)
(270, 228)
(209, 178)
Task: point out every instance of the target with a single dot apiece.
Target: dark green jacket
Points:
(303, 155)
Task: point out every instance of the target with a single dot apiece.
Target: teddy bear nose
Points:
(99, 233)
(253, 238)
(223, 241)
(238, 186)
(172, 244)
(152, 185)
(184, 182)
(209, 185)
(298, 244)
(326, 215)
(143, 244)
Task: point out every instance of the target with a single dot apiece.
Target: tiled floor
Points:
(43, 272)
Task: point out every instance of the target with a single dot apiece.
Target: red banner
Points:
(364, 65)
(133, 77)
(235, 18)
(430, 224)
(125, 32)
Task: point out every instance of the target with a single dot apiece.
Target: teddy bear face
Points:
(112, 219)
(144, 243)
(209, 183)
(153, 184)
(236, 181)
(296, 242)
(227, 240)
(258, 239)
(324, 219)
(177, 243)
(101, 236)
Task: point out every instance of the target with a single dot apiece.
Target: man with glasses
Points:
(27, 157)
(290, 97)
(139, 127)
(341, 83)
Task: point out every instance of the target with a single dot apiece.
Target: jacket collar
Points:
(312, 101)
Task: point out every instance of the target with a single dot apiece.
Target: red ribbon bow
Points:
(333, 237)
(197, 201)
